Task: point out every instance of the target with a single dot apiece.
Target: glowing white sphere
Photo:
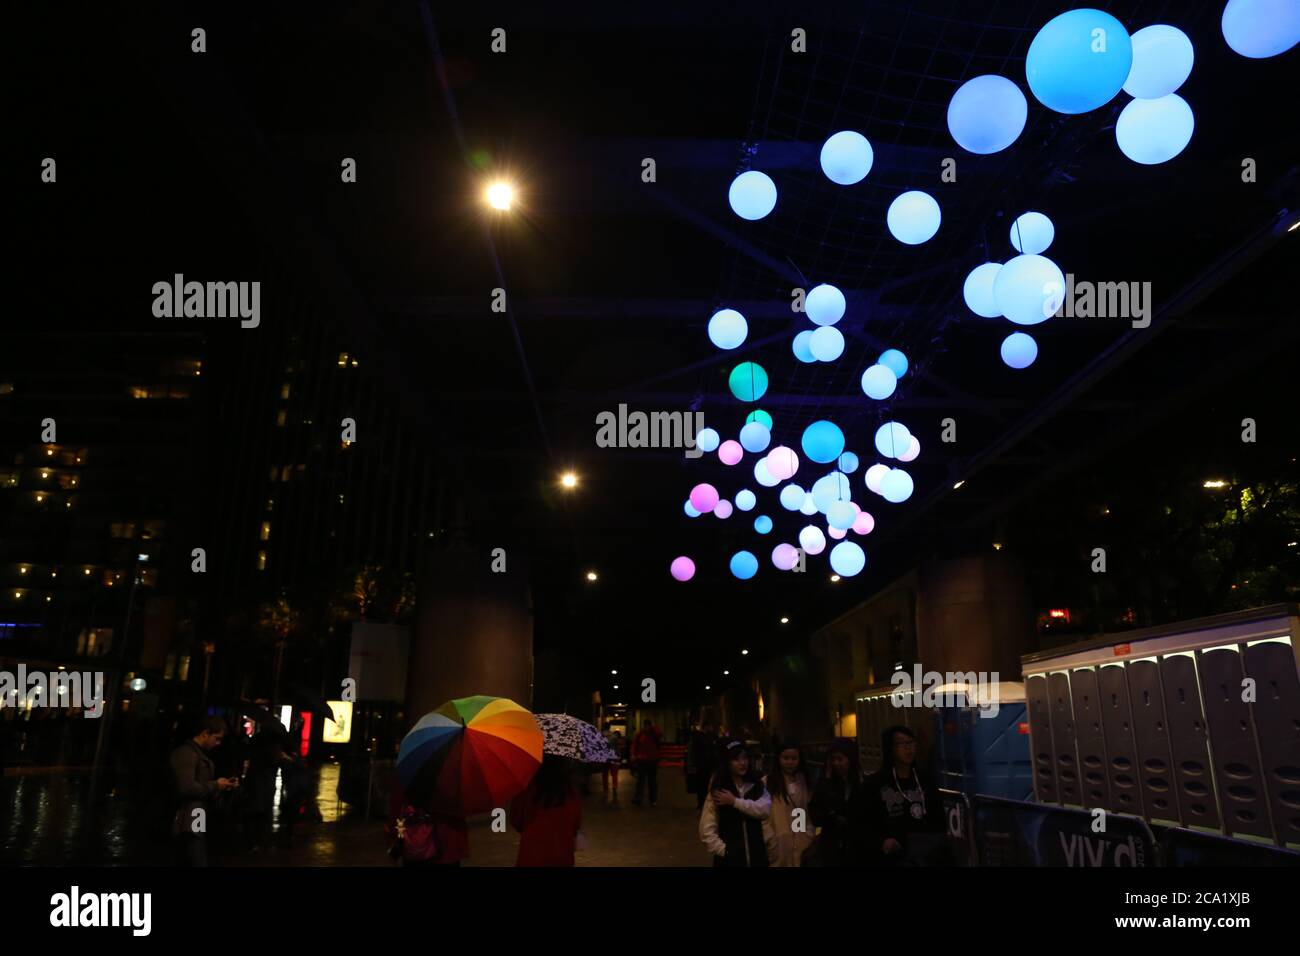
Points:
(848, 463)
(837, 533)
(1032, 233)
(802, 348)
(752, 195)
(782, 463)
(727, 329)
(913, 450)
(841, 515)
(1162, 62)
(763, 476)
(744, 565)
(1155, 131)
(987, 114)
(730, 452)
(1019, 350)
(762, 524)
(1029, 289)
(892, 438)
(683, 568)
(846, 158)
(704, 496)
(895, 361)
(785, 556)
(826, 344)
(690, 509)
(722, 509)
(875, 474)
(809, 506)
(824, 305)
(829, 489)
(913, 218)
(1261, 28)
(879, 382)
(847, 559)
(864, 523)
(978, 290)
(746, 499)
(812, 540)
(792, 497)
(707, 440)
(755, 437)
(896, 486)
(1078, 61)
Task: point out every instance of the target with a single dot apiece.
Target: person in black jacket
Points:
(906, 814)
(839, 808)
(701, 761)
(731, 824)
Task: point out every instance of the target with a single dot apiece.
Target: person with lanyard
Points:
(906, 813)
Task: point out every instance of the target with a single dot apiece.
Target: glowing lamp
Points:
(846, 158)
(722, 509)
(892, 438)
(1261, 28)
(785, 556)
(727, 329)
(683, 568)
(758, 415)
(977, 291)
(748, 381)
(1162, 62)
(1029, 289)
(809, 506)
(704, 497)
(763, 476)
(812, 540)
(829, 489)
(752, 195)
(1019, 350)
(762, 524)
(746, 499)
(802, 347)
(1155, 131)
(730, 452)
(792, 497)
(987, 114)
(707, 440)
(895, 361)
(879, 382)
(822, 441)
(848, 463)
(744, 565)
(864, 523)
(841, 515)
(826, 344)
(896, 486)
(913, 450)
(847, 559)
(691, 510)
(1032, 233)
(837, 533)
(824, 305)
(875, 474)
(913, 217)
(782, 463)
(1078, 61)
(755, 437)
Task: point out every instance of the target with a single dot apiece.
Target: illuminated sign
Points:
(339, 729)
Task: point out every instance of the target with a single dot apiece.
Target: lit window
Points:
(6, 388)
(261, 560)
(280, 417)
(285, 472)
(284, 390)
(270, 504)
(149, 577)
(266, 530)
(343, 360)
(8, 479)
(68, 481)
(152, 529)
(169, 669)
(138, 391)
(183, 672)
(354, 363)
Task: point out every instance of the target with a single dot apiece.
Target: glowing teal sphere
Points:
(754, 437)
(848, 559)
(762, 524)
(746, 499)
(846, 158)
(978, 290)
(895, 361)
(1029, 289)
(1078, 61)
(822, 441)
(1032, 233)
(824, 304)
(826, 344)
(1155, 131)
(1261, 28)
(1019, 350)
(1162, 62)
(748, 381)
(752, 195)
(913, 217)
(792, 497)
(758, 415)
(879, 382)
(987, 114)
(802, 346)
(744, 565)
(727, 329)
(707, 440)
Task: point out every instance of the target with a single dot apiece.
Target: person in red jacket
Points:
(548, 816)
(645, 762)
(418, 837)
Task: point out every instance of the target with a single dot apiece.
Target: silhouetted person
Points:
(645, 762)
(196, 783)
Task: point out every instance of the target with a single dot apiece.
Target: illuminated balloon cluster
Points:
(880, 380)
(824, 305)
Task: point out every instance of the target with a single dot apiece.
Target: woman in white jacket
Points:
(787, 831)
(731, 824)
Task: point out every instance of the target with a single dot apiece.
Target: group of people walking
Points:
(888, 818)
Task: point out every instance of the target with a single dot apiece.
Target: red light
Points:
(306, 731)
(1060, 613)
(1122, 649)
(1023, 727)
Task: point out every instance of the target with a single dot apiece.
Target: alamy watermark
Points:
(208, 300)
(624, 429)
(59, 689)
(951, 689)
(1099, 300)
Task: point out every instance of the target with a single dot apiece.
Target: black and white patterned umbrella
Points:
(567, 736)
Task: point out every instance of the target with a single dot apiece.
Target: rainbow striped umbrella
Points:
(470, 755)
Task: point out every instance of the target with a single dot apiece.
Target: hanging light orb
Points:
(755, 437)
(690, 509)
(847, 559)
(876, 474)
(826, 344)
(977, 291)
(1029, 289)
(730, 452)
(824, 305)
(837, 533)
(1151, 132)
(1032, 233)
(822, 442)
(802, 347)
(792, 497)
(683, 568)
(913, 217)
(896, 487)
(744, 565)
(1261, 28)
(841, 515)
(707, 440)
(722, 509)
(895, 361)
(762, 524)
(913, 450)
(748, 381)
(829, 489)
(1162, 62)
(703, 497)
(1019, 350)
(785, 556)
(809, 506)
(892, 438)
(987, 114)
(727, 329)
(746, 499)
(848, 463)
(752, 195)
(864, 523)
(1078, 61)
(846, 158)
(879, 382)
(812, 540)
(758, 415)
(782, 463)
(763, 476)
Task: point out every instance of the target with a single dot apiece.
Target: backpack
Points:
(416, 836)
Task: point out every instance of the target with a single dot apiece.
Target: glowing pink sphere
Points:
(913, 450)
(837, 533)
(683, 568)
(864, 523)
(703, 498)
(782, 462)
(785, 556)
(730, 452)
(723, 509)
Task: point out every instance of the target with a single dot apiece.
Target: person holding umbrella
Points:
(548, 815)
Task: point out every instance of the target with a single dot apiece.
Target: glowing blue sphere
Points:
(1029, 289)
(822, 441)
(792, 497)
(848, 559)
(826, 344)
(1032, 233)
(755, 437)
(978, 290)
(879, 382)
(1162, 62)
(1261, 28)
(1019, 350)
(707, 440)
(809, 506)
(824, 304)
(987, 114)
(913, 218)
(892, 439)
(752, 195)
(744, 565)
(690, 509)
(1078, 61)
(895, 361)
(848, 463)
(847, 158)
(802, 347)
(762, 524)
(896, 486)
(841, 515)
(829, 489)
(745, 500)
(763, 476)
(727, 329)
(1155, 131)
